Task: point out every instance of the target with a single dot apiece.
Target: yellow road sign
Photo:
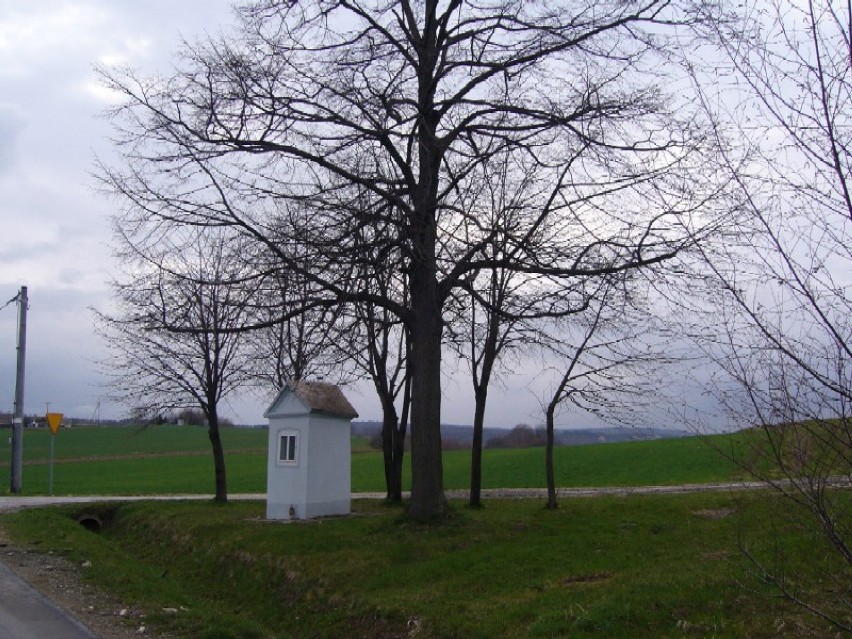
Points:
(54, 420)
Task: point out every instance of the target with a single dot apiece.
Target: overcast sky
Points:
(54, 236)
(54, 231)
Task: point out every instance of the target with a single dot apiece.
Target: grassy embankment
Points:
(171, 459)
(634, 567)
(639, 566)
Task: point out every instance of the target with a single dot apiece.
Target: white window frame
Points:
(285, 435)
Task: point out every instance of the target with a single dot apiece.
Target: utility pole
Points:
(18, 419)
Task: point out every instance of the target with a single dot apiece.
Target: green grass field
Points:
(177, 459)
(632, 567)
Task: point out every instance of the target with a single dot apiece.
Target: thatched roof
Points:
(323, 397)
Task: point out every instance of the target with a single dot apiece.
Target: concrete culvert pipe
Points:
(90, 522)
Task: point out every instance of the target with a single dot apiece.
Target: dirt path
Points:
(60, 581)
(18, 502)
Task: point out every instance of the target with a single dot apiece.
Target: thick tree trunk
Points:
(218, 457)
(427, 303)
(427, 471)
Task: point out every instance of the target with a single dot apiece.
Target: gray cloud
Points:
(11, 124)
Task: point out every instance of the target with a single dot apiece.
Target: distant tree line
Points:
(187, 417)
(521, 436)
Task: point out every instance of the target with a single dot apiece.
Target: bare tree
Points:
(376, 341)
(383, 356)
(782, 291)
(310, 102)
(497, 303)
(604, 362)
(291, 347)
(491, 330)
(154, 367)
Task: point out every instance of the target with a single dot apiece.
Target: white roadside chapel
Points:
(310, 452)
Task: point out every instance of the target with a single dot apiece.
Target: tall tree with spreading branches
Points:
(310, 102)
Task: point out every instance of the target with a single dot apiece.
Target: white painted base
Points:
(281, 512)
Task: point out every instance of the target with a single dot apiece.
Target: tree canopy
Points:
(361, 132)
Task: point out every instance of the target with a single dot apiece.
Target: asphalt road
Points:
(26, 614)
